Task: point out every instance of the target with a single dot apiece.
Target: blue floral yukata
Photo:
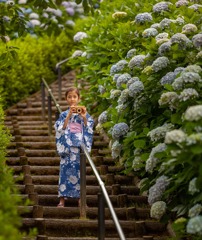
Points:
(68, 147)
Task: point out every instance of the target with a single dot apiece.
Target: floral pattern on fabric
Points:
(68, 147)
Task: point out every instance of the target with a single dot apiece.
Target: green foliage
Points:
(36, 59)
(9, 217)
(171, 77)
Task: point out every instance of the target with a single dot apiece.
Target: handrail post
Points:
(101, 216)
(49, 115)
(43, 98)
(82, 185)
(59, 83)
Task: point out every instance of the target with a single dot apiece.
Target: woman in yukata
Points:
(72, 127)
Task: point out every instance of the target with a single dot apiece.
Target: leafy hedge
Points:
(143, 63)
(9, 217)
(36, 58)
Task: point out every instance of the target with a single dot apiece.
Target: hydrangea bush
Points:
(147, 58)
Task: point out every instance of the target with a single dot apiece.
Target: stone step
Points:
(121, 200)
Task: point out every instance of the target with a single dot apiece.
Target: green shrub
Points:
(142, 61)
(9, 217)
(36, 58)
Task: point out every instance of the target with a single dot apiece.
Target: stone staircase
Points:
(32, 156)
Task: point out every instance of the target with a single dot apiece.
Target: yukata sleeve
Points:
(88, 133)
(59, 124)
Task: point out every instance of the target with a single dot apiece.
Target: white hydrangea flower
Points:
(149, 32)
(194, 225)
(116, 149)
(135, 88)
(157, 190)
(137, 61)
(152, 160)
(35, 22)
(179, 21)
(178, 83)
(159, 133)
(103, 117)
(191, 77)
(77, 53)
(114, 93)
(188, 93)
(155, 25)
(199, 55)
(192, 187)
(123, 97)
(143, 17)
(33, 15)
(121, 108)
(123, 79)
(175, 136)
(195, 210)
(137, 162)
(160, 63)
(158, 209)
(119, 130)
(170, 99)
(168, 78)
(193, 113)
(181, 3)
(79, 36)
(162, 35)
(70, 23)
(161, 6)
(56, 12)
(193, 68)
(189, 28)
(195, 7)
(197, 40)
(131, 53)
(118, 15)
(181, 39)
(164, 48)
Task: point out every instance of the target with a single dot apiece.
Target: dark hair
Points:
(72, 89)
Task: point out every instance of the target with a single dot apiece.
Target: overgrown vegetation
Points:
(143, 63)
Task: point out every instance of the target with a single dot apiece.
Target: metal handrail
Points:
(101, 183)
(58, 69)
(102, 186)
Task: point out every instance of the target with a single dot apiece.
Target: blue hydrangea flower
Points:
(123, 97)
(168, 78)
(103, 117)
(160, 63)
(116, 149)
(157, 190)
(123, 79)
(135, 88)
(181, 39)
(181, 3)
(116, 76)
(178, 70)
(143, 17)
(164, 48)
(132, 80)
(197, 40)
(131, 53)
(121, 108)
(119, 66)
(161, 6)
(119, 130)
(101, 89)
(155, 25)
(149, 32)
(165, 23)
(137, 61)
(195, 7)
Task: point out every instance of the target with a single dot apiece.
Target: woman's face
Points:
(72, 98)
